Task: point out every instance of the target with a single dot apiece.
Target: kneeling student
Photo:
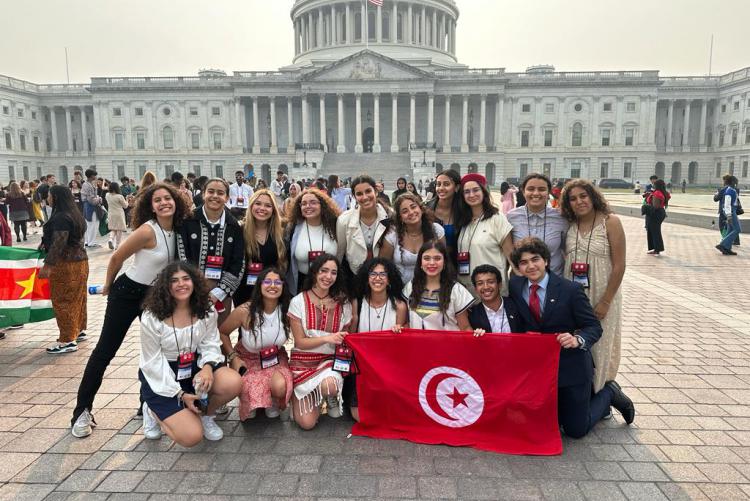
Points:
(492, 313)
(548, 303)
(180, 357)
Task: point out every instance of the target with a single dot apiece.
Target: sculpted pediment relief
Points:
(367, 66)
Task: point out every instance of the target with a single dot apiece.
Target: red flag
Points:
(496, 393)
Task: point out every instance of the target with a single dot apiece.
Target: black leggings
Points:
(20, 227)
(123, 306)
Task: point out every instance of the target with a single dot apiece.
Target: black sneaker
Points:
(622, 402)
(82, 337)
(2, 334)
(722, 250)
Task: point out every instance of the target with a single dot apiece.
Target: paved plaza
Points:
(685, 363)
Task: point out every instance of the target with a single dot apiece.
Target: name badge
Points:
(313, 255)
(342, 361)
(185, 366)
(580, 273)
(241, 201)
(269, 357)
(464, 263)
(214, 265)
(253, 270)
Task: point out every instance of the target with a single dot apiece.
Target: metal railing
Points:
(309, 146)
(422, 146)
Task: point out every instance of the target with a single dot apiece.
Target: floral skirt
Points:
(256, 383)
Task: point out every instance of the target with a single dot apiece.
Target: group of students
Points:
(318, 275)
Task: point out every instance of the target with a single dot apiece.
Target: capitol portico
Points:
(379, 89)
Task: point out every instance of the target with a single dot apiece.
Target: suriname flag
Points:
(24, 297)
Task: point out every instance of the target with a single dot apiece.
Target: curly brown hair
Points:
(143, 211)
(428, 218)
(159, 299)
(329, 211)
(597, 198)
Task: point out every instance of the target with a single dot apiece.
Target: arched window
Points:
(168, 138)
(577, 134)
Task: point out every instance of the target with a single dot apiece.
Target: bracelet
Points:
(180, 394)
(231, 356)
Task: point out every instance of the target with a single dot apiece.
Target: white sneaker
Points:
(272, 412)
(83, 425)
(59, 348)
(223, 409)
(211, 430)
(334, 410)
(151, 428)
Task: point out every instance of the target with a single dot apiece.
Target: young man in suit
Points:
(492, 314)
(548, 303)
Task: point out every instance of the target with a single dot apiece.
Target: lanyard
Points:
(322, 236)
(369, 312)
(166, 242)
(362, 227)
(471, 238)
(536, 226)
(278, 316)
(588, 247)
(174, 330)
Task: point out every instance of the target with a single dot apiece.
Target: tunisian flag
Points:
(496, 393)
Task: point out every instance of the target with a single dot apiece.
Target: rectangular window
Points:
(718, 169)
(116, 112)
(721, 138)
(734, 136)
(630, 107)
(744, 168)
(627, 170)
(547, 169)
(606, 133)
(219, 171)
(118, 141)
(142, 168)
(193, 111)
(8, 141)
(731, 168)
(577, 135)
(6, 110)
(575, 170)
(547, 137)
(215, 111)
(36, 143)
(195, 140)
(33, 115)
(525, 108)
(736, 106)
(604, 170)
(168, 170)
(549, 108)
(197, 169)
(168, 137)
(139, 112)
(20, 112)
(48, 143)
(524, 138)
(217, 140)
(140, 140)
(120, 168)
(607, 106)
(523, 171)
(709, 138)
(747, 135)
(12, 172)
(72, 118)
(629, 135)
(723, 108)
(22, 141)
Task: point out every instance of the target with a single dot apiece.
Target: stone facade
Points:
(397, 89)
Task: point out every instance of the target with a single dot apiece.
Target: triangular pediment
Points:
(367, 65)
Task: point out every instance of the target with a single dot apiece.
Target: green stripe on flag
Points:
(19, 316)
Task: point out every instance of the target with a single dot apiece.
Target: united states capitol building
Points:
(380, 90)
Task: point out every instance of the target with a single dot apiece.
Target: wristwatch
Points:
(581, 342)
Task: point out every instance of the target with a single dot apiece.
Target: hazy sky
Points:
(177, 37)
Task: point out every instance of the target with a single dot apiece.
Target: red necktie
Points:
(534, 305)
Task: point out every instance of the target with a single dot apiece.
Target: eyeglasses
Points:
(378, 274)
(268, 282)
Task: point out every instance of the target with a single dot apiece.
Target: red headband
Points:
(477, 178)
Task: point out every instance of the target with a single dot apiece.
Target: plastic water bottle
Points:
(201, 393)
(95, 289)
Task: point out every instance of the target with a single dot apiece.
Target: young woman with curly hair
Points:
(413, 225)
(264, 325)
(437, 300)
(180, 359)
(320, 317)
(157, 213)
(595, 257)
(264, 242)
(311, 231)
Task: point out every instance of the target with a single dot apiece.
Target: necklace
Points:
(321, 298)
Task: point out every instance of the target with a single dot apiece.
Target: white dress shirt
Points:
(239, 195)
(498, 320)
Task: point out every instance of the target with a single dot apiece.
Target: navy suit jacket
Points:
(566, 309)
(478, 316)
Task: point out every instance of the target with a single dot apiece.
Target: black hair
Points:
(536, 175)
(89, 173)
(364, 178)
(114, 188)
(395, 282)
(489, 209)
(486, 268)
(255, 306)
(531, 245)
(64, 206)
(653, 178)
(504, 187)
(177, 177)
(159, 299)
(447, 277)
(338, 289)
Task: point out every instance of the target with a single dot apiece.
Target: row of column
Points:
(686, 122)
(335, 25)
(70, 112)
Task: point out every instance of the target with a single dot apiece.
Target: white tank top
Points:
(147, 263)
(272, 333)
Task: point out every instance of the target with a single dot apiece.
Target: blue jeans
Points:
(733, 232)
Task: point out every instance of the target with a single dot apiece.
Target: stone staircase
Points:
(382, 166)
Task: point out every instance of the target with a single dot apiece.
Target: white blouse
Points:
(461, 300)
(376, 319)
(297, 310)
(271, 333)
(319, 239)
(159, 347)
(405, 259)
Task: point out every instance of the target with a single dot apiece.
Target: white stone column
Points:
(334, 26)
(83, 148)
(323, 138)
(619, 141)
(305, 121)
(441, 32)
(702, 131)
(291, 147)
(358, 120)
(499, 108)
(512, 132)
(482, 124)
(98, 123)
(430, 118)
(447, 126)
(453, 37)
(363, 23)
(537, 122)
(53, 129)
(69, 128)
(465, 126)
(256, 127)
(412, 118)
(310, 31)
(376, 118)
(686, 126)
(341, 146)
(127, 140)
(296, 38)
(409, 25)
(653, 105)
(670, 122)
(237, 123)
(379, 27)
(394, 23)
(423, 26)
(272, 112)
(348, 20)
(595, 122)
(321, 37)
(560, 140)
(394, 123)
(434, 28)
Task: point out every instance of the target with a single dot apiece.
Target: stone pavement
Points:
(685, 363)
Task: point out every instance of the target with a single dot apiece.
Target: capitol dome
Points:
(418, 32)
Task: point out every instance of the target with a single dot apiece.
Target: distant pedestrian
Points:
(507, 197)
(728, 205)
(116, 217)
(657, 202)
(684, 185)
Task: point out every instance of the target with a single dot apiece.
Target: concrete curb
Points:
(707, 221)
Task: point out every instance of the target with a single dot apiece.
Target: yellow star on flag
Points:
(28, 285)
